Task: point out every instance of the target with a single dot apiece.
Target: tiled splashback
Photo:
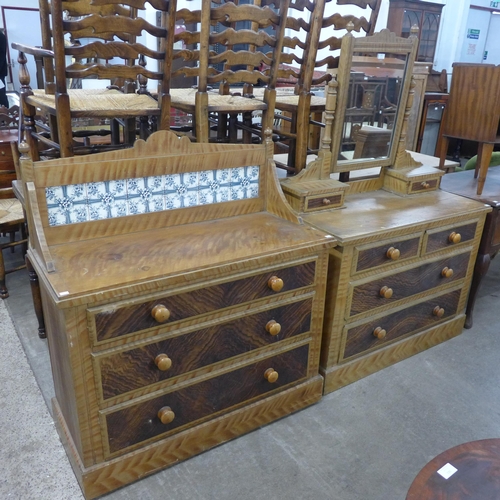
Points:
(105, 200)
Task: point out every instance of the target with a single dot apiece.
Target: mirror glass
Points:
(373, 77)
(374, 93)
(373, 96)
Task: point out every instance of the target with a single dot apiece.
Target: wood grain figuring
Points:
(377, 256)
(437, 240)
(369, 216)
(193, 312)
(473, 108)
(110, 475)
(139, 423)
(341, 375)
(407, 283)
(115, 322)
(410, 320)
(96, 264)
(135, 368)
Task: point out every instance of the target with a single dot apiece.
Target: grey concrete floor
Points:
(366, 441)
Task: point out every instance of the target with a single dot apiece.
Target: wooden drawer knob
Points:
(271, 375)
(379, 333)
(275, 283)
(447, 272)
(166, 415)
(425, 185)
(386, 292)
(393, 253)
(438, 311)
(160, 313)
(273, 327)
(455, 238)
(326, 201)
(163, 362)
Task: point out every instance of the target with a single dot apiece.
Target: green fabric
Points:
(495, 160)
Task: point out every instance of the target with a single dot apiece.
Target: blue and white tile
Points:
(181, 190)
(107, 199)
(215, 186)
(67, 204)
(145, 194)
(244, 182)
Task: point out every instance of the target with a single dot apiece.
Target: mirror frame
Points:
(383, 42)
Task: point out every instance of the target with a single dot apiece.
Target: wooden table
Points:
(464, 184)
(477, 476)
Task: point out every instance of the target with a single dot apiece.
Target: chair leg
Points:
(3, 288)
(233, 128)
(37, 298)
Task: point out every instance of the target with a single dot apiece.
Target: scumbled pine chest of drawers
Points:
(183, 300)
(398, 279)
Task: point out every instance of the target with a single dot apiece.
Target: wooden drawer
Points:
(426, 185)
(135, 368)
(379, 332)
(140, 422)
(325, 201)
(114, 320)
(440, 239)
(399, 250)
(404, 284)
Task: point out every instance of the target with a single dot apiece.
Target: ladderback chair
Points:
(235, 50)
(103, 40)
(304, 65)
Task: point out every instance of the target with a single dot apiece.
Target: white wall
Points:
(31, 4)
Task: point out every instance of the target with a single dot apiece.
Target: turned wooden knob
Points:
(326, 201)
(275, 283)
(393, 253)
(273, 327)
(447, 272)
(438, 311)
(160, 313)
(163, 362)
(455, 238)
(166, 415)
(425, 185)
(379, 332)
(271, 375)
(386, 292)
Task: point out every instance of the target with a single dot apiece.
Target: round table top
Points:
(477, 474)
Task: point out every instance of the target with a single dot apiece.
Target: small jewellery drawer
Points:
(378, 332)
(324, 201)
(114, 320)
(383, 291)
(149, 419)
(151, 363)
(425, 185)
(392, 251)
(439, 239)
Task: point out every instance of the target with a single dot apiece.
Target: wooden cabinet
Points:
(398, 278)
(404, 14)
(176, 329)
